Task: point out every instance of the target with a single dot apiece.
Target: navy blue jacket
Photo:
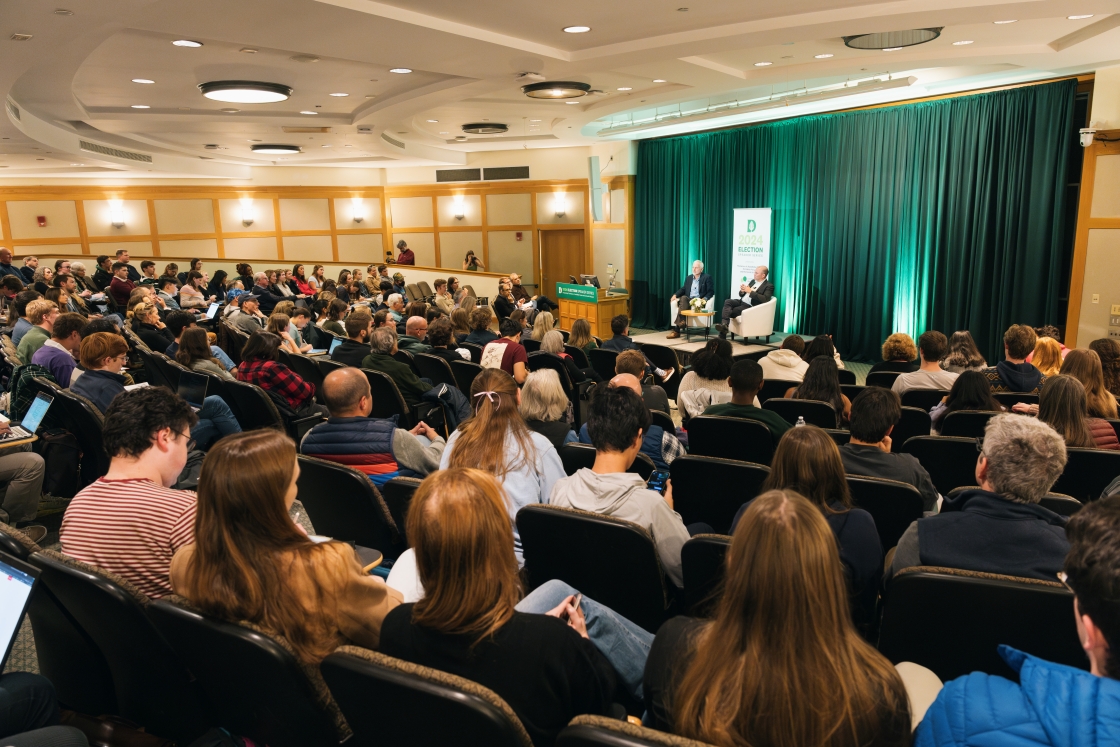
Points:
(707, 287)
(366, 444)
(99, 387)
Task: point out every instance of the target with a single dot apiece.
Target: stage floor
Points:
(681, 345)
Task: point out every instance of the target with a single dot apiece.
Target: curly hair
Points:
(900, 347)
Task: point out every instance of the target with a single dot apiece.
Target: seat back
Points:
(924, 399)
(530, 345)
(664, 357)
(150, 683)
(475, 349)
(464, 372)
(884, 379)
(407, 358)
(894, 505)
(308, 370)
(415, 704)
(576, 456)
(397, 496)
(257, 686)
(326, 365)
(251, 405)
(663, 419)
(578, 356)
(1088, 472)
(1007, 399)
(839, 436)
(604, 731)
(820, 414)
(82, 418)
(157, 374)
(730, 438)
(913, 422)
(610, 560)
(704, 564)
(846, 377)
(950, 462)
(235, 341)
(413, 292)
(851, 391)
(435, 369)
(713, 490)
(953, 621)
(966, 423)
(425, 289)
(1063, 505)
(387, 398)
(775, 389)
(344, 504)
(603, 362)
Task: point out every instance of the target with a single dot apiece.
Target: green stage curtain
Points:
(940, 215)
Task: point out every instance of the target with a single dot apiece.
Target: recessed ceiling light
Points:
(571, 102)
(276, 149)
(248, 50)
(308, 112)
(534, 120)
(892, 49)
(659, 80)
(371, 96)
(63, 12)
(141, 106)
(245, 91)
(763, 64)
(682, 10)
(400, 70)
(962, 42)
(433, 120)
(305, 58)
(229, 110)
(445, 133)
(75, 164)
(186, 43)
(1000, 23)
(1079, 18)
(576, 29)
(324, 146)
(339, 95)
(822, 56)
(626, 88)
(142, 80)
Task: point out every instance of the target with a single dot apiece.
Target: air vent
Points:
(127, 155)
(13, 110)
(506, 172)
(392, 141)
(485, 128)
(458, 175)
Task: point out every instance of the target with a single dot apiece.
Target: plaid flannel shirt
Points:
(279, 379)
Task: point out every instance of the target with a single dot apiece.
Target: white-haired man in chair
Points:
(697, 285)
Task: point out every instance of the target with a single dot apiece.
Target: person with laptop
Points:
(23, 472)
(351, 351)
(177, 322)
(57, 353)
(194, 352)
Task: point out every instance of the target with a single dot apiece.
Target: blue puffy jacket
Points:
(1053, 706)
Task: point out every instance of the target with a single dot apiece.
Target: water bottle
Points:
(800, 421)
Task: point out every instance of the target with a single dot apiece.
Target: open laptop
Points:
(334, 344)
(17, 579)
(192, 388)
(210, 312)
(32, 420)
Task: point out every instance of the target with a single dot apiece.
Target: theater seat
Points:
(576, 456)
(704, 562)
(343, 504)
(415, 705)
(435, 369)
(1088, 472)
(603, 362)
(465, 371)
(820, 414)
(966, 423)
(601, 731)
(925, 399)
(730, 438)
(397, 494)
(755, 321)
(713, 490)
(894, 505)
(913, 421)
(950, 462)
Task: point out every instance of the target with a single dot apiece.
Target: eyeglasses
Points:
(1064, 579)
(980, 444)
(190, 441)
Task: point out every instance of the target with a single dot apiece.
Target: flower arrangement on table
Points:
(697, 304)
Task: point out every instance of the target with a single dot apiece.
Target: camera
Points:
(1087, 136)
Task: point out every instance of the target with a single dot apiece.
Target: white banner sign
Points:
(751, 247)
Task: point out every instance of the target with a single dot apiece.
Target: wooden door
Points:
(561, 257)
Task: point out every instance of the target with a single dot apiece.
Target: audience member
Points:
(504, 303)
(933, 347)
(6, 268)
(353, 350)
(544, 406)
(542, 325)
(461, 326)
(130, 522)
(699, 387)
(30, 265)
(249, 319)
(443, 299)
(412, 341)
(580, 336)
(439, 338)
(57, 354)
(18, 312)
(970, 391)
(620, 328)
(1046, 356)
(374, 446)
(1108, 350)
(875, 413)
(1055, 334)
(41, 314)
(808, 461)
(785, 363)
(999, 528)
(281, 325)
(150, 328)
(41, 280)
(261, 367)
(103, 276)
(332, 321)
(547, 670)
(194, 352)
(497, 441)
(383, 345)
(899, 352)
(1050, 705)
(822, 345)
(177, 321)
(29, 712)
(1062, 406)
(822, 384)
(507, 352)
(1014, 374)
(480, 320)
(553, 344)
(661, 446)
(120, 286)
(23, 473)
(1085, 366)
(251, 562)
(617, 424)
(266, 298)
(781, 663)
(634, 363)
(395, 304)
(745, 380)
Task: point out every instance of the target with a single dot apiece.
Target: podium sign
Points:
(751, 245)
(588, 293)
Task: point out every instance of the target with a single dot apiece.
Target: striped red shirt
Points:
(131, 528)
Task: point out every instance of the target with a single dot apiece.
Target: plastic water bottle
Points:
(800, 421)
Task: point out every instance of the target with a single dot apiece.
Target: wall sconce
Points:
(116, 213)
(560, 205)
(460, 211)
(247, 214)
(358, 209)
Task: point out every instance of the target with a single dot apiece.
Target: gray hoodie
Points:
(624, 495)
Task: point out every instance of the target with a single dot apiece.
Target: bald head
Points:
(630, 381)
(344, 390)
(417, 326)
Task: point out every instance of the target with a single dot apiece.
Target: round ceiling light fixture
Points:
(576, 29)
(141, 106)
(485, 128)
(276, 149)
(821, 56)
(659, 80)
(1010, 20)
(145, 81)
(245, 91)
(306, 111)
(338, 95)
(186, 43)
(556, 89)
(1079, 18)
(400, 70)
(763, 64)
(962, 42)
(893, 40)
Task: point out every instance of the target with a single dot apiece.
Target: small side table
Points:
(706, 316)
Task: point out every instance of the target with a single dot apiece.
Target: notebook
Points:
(192, 388)
(17, 579)
(32, 420)
(210, 312)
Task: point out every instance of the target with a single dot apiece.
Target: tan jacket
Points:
(445, 303)
(355, 603)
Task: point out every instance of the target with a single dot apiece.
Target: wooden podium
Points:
(590, 303)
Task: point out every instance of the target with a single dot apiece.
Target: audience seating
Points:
(425, 289)
(603, 731)
(665, 358)
(1088, 472)
(952, 621)
(884, 379)
(578, 356)
(894, 505)
(253, 680)
(612, 561)
(577, 392)
(256, 408)
(663, 419)
(397, 496)
(603, 362)
(1059, 503)
(704, 564)
(308, 370)
(413, 292)
(157, 374)
(1115, 426)
(235, 342)
(775, 389)
(342, 503)
(924, 399)
(713, 490)
(326, 365)
(821, 414)
(966, 423)
(530, 345)
(913, 422)
(464, 372)
(407, 358)
(84, 421)
(730, 438)
(435, 369)
(1007, 399)
(838, 435)
(846, 377)
(576, 456)
(950, 462)
(416, 705)
(475, 350)
(851, 391)
(387, 399)
(151, 685)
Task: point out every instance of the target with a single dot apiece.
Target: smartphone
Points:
(575, 603)
(658, 481)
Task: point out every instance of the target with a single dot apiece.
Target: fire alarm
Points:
(517, 234)
(42, 221)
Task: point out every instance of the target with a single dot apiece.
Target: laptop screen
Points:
(210, 312)
(16, 582)
(36, 412)
(337, 341)
(192, 387)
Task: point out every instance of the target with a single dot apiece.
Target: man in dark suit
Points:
(697, 285)
(758, 291)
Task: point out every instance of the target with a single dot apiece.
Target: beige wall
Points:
(1106, 99)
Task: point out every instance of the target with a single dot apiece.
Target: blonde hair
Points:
(40, 309)
(580, 334)
(542, 325)
(542, 397)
